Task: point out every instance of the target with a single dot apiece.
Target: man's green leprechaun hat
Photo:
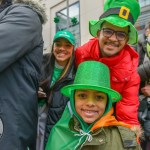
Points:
(120, 13)
(95, 76)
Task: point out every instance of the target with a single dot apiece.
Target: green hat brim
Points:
(95, 25)
(67, 90)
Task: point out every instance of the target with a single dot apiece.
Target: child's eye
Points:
(99, 97)
(82, 96)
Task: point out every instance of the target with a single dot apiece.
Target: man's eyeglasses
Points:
(120, 35)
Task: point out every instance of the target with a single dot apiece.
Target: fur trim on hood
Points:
(36, 6)
(139, 132)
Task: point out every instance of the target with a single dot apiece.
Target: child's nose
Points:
(90, 102)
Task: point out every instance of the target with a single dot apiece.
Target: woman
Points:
(57, 71)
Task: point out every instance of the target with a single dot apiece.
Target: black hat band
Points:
(123, 12)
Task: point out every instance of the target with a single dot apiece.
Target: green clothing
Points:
(67, 134)
(41, 103)
(148, 50)
(56, 74)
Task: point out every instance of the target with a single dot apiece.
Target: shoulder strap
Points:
(128, 137)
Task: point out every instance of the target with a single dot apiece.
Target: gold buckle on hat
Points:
(124, 12)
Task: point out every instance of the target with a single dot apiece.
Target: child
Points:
(88, 121)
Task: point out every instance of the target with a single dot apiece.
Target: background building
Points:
(144, 17)
(74, 15)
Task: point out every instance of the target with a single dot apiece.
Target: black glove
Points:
(143, 109)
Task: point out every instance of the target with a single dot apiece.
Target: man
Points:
(20, 59)
(112, 32)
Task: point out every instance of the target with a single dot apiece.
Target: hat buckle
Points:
(124, 12)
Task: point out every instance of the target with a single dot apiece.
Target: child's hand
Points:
(41, 94)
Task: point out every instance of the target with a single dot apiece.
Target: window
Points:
(70, 21)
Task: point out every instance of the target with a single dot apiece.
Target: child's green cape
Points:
(62, 138)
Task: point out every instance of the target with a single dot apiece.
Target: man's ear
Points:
(98, 33)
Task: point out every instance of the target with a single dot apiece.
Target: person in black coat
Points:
(57, 71)
(21, 49)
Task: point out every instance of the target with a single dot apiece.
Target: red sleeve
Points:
(127, 108)
(88, 51)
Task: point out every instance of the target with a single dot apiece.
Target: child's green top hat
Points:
(121, 13)
(95, 76)
(65, 34)
(91, 75)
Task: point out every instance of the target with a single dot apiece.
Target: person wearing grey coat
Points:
(21, 48)
(144, 58)
(144, 92)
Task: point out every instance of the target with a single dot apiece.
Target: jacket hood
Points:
(36, 6)
(109, 120)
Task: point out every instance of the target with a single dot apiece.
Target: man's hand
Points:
(146, 90)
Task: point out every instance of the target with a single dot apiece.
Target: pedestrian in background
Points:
(57, 71)
(20, 61)
(143, 40)
(143, 48)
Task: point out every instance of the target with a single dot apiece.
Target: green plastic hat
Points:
(120, 13)
(92, 75)
(65, 34)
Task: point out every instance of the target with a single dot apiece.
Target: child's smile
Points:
(90, 104)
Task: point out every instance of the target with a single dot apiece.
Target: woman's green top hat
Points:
(95, 76)
(121, 13)
(65, 34)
